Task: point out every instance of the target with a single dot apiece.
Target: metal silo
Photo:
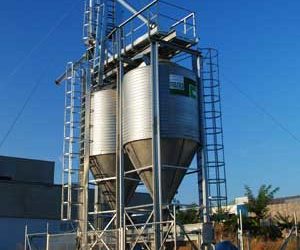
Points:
(154, 117)
(103, 145)
(179, 123)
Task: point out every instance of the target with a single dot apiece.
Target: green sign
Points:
(180, 85)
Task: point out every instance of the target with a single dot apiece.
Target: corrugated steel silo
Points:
(179, 123)
(103, 145)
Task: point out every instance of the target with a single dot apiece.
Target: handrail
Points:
(133, 16)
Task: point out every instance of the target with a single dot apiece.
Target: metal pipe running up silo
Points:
(120, 153)
(132, 10)
(156, 150)
(201, 154)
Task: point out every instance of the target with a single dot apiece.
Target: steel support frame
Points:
(118, 215)
(157, 207)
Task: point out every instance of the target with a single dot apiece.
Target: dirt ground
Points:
(255, 244)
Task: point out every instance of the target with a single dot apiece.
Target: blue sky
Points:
(258, 42)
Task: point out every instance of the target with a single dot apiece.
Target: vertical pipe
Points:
(47, 237)
(241, 240)
(90, 18)
(120, 153)
(131, 9)
(156, 161)
(199, 179)
(96, 207)
(25, 238)
(83, 221)
(175, 227)
(194, 26)
(201, 154)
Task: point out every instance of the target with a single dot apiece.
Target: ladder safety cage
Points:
(215, 162)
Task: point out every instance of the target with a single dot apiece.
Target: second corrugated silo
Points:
(103, 146)
(179, 123)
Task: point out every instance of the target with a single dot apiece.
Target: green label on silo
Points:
(180, 85)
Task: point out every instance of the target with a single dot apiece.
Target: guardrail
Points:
(161, 18)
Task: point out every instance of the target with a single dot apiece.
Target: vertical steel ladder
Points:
(71, 144)
(99, 21)
(216, 175)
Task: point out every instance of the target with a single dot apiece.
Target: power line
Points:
(22, 109)
(37, 83)
(40, 42)
(259, 107)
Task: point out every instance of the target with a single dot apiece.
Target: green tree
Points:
(188, 216)
(258, 224)
(259, 204)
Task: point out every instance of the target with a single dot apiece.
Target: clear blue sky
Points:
(259, 45)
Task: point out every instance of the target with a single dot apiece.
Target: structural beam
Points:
(84, 180)
(120, 152)
(132, 10)
(156, 158)
(76, 64)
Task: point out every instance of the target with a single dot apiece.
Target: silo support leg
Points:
(156, 161)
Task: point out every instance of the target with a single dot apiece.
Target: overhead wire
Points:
(22, 109)
(264, 111)
(259, 107)
(21, 62)
(38, 81)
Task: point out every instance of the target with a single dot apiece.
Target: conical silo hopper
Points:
(179, 123)
(103, 146)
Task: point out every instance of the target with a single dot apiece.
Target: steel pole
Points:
(86, 164)
(201, 154)
(240, 231)
(207, 228)
(156, 158)
(131, 9)
(25, 238)
(120, 152)
(47, 237)
(175, 227)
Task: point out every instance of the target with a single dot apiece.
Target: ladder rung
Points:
(74, 107)
(76, 122)
(73, 91)
(71, 153)
(71, 170)
(76, 204)
(72, 138)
